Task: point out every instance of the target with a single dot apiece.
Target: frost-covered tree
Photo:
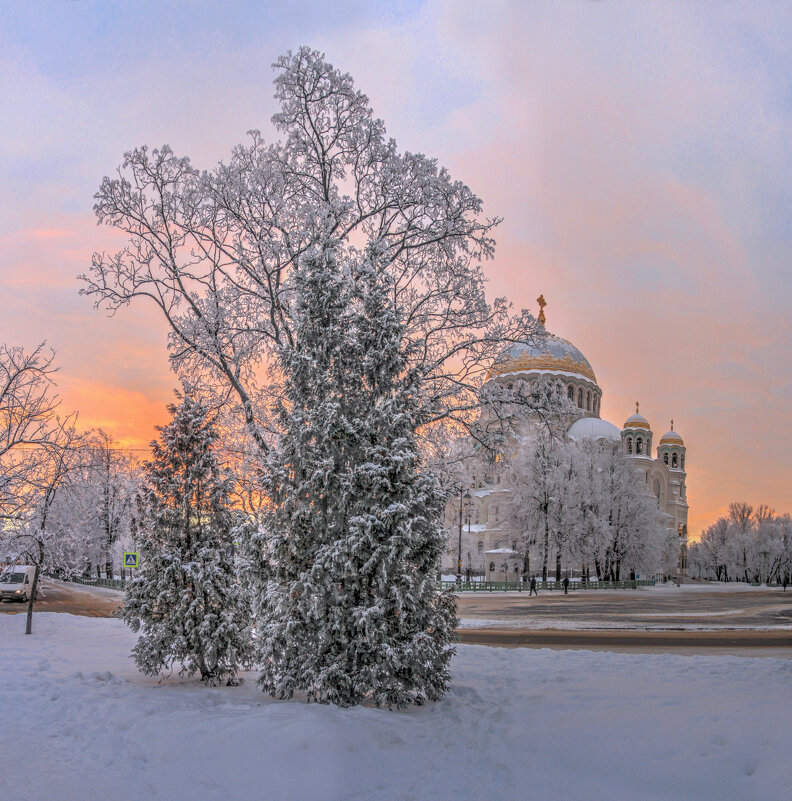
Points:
(636, 537)
(29, 426)
(216, 251)
(585, 504)
(347, 610)
(542, 500)
(35, 538)
(187, 601)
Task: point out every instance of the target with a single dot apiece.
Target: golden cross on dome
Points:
(636, 407)
(672, 423)
(542, 303)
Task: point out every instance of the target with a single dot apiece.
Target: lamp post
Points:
(467, 499)
(459, 551)
(469, 515)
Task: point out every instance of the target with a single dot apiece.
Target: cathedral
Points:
(488, 549)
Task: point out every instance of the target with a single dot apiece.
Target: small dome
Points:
(593, 428)
(637, 421)
(671, 438)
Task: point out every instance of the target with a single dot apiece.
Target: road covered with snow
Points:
(80, 723)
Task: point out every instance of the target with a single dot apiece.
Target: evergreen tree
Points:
(348, 611)
(187, 601)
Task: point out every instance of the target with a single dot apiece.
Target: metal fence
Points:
(520, 586)
(113, 584)
(455, 586)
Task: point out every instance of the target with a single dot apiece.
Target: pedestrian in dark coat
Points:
(565, 582)
(533, 591)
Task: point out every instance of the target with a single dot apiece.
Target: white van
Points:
(16, 583)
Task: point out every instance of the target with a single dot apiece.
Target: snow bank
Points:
(79, 723)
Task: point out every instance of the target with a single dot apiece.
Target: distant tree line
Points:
(747, 544)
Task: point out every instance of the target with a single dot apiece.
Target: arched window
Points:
(510, 386)
(495, 510)
(588, 400)
(639, 445)
(481, 547)
(492, 566)
(657, 489)
(571, 393)
(673, 460)
(580, 398)
(665, 458)
(629, 444)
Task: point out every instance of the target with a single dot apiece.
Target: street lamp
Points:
(464, 500)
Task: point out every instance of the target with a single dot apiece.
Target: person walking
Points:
(565, 582)
(533, 591)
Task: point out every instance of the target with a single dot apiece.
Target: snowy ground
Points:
(79, 723)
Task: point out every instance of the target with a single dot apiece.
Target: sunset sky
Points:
(639, 153)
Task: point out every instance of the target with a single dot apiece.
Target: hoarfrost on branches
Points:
(350, 545)
(187, 601)
(217, 250)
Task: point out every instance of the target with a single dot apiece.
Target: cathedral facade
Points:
(488, 547)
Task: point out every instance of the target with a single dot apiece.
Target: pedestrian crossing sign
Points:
(130, 559)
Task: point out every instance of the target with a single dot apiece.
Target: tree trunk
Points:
(546, 546)
(558, 566)
(598, 568)
(29, 622)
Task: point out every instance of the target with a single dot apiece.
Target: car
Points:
(16, 582)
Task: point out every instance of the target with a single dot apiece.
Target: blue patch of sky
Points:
(71, 39)
(70, 42)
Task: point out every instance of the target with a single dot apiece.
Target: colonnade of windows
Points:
(585, 399)
(639, 445)
(677, 460)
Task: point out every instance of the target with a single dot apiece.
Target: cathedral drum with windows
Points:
(487, 549)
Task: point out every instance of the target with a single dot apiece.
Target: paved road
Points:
(590, 620)
(58, 596)
(742, 643)
(671, 608)
(697, 619)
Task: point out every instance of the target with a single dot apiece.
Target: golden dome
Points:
(637, 420)
(671, 437)
(549, 354)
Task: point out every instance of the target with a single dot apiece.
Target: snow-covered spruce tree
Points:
(187, 602)
(347, 611)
